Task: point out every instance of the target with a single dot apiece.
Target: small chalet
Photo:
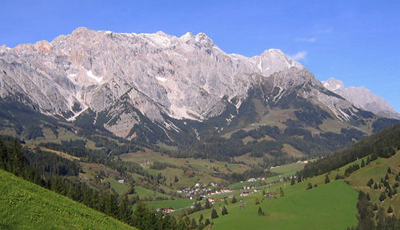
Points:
(168, 210)
(270, 194)
(244, 194)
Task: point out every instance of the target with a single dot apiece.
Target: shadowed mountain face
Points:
(157, 87)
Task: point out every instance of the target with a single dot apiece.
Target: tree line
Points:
(383, 144)
(368, 220)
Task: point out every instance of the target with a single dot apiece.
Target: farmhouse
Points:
(270, 194)
(244, 194)
(168, 210)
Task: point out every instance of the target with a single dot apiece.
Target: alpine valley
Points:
(174, 126)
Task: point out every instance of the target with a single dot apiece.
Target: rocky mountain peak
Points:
(274, 60)
(334, 85)
(126, 75)
(188, 36)
(362, 98)
(204, 40)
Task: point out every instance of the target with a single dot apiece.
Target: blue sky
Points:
(357, 42)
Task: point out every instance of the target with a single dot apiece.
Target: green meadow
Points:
(329, 206)
(177, 204)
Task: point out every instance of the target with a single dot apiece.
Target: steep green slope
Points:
(383, 144)
(27, 206)
(377, 171)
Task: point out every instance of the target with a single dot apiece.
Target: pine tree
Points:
(111, 207)
(193, 225)
(208, 204)
(365, 213)
(131, 189)
(390, 192)
(327, 180)
(386, 177)
(224, 211)
(370, 183)
(309, 185)
(260, 212)
(141, 218)
(382, 197)
(234, 200)
(389, 170)
(3, 155)
(187, 222)
(17, 162)
(207, 222)
(390, 209)
(375, 186)
(201, 218)
(368, 160)
(362, 163)
(292, 182)
(381, 215)
(299, 178)
(125, 211)
(214, 214)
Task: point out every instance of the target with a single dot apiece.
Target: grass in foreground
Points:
(27, 206)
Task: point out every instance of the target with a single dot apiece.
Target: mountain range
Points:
(156, 88)
(362, 98)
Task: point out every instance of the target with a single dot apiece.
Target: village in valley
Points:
(209, 193)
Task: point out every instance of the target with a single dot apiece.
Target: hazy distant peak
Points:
(362, 98)
(334, 85)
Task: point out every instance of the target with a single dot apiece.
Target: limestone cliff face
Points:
(362, 98)
(125, 75)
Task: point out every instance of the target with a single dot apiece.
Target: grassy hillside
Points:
(27, 206)
(328, 206)
(331, 206)
(377, 171)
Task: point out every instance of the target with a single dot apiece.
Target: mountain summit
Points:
(362, 98)
(133, 84)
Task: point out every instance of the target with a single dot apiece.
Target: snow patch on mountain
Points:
(162, 79)
(91, 75)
